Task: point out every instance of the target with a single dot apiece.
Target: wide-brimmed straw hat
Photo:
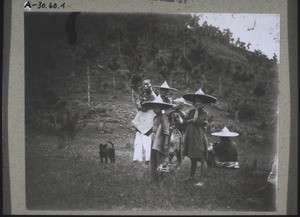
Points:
(166, 86)
(157, 102)
(200, 95)
(225, 133)
(180, 102)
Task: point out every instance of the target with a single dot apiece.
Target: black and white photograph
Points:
(151, 111)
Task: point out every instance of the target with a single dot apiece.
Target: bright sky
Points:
(261, 30)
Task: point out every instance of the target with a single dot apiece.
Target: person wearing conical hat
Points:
(225, 151)
(195, 141)
(164, 90)
(142, 141)
(159, 137)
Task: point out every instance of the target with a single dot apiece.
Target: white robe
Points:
(143, 122)
(141, 142)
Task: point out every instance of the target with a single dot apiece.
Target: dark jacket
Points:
(160, 129)
(226, 151)
(195, 141)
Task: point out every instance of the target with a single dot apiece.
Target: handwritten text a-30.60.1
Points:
(42, 5)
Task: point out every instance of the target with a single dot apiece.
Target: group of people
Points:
(163, 130)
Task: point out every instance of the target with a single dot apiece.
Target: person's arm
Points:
(166, 132)
(166, 146)
(139, 104)
(212, 155)
(182, 115)
(202, 120)
(138, 101)
(217, 151)
(149, 98)
(189, 117)
(216, 147)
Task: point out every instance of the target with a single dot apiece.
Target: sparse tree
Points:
(114, 66)
(248, 46)
(242, 45)
(274, 58)
(238, 42)
(227, 34)
(89, 54)
(186, 65)
(232, 40)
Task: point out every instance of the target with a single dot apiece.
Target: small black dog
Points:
(105, 152)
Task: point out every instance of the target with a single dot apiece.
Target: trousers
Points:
(157, 158)
(141, 142)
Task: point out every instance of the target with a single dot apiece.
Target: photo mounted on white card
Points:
(164, 107)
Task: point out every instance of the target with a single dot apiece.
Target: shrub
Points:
(246, 113)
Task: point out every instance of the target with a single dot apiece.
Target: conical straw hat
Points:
(157, 102)
(200, 94)
(225, 133)
(165, 86)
